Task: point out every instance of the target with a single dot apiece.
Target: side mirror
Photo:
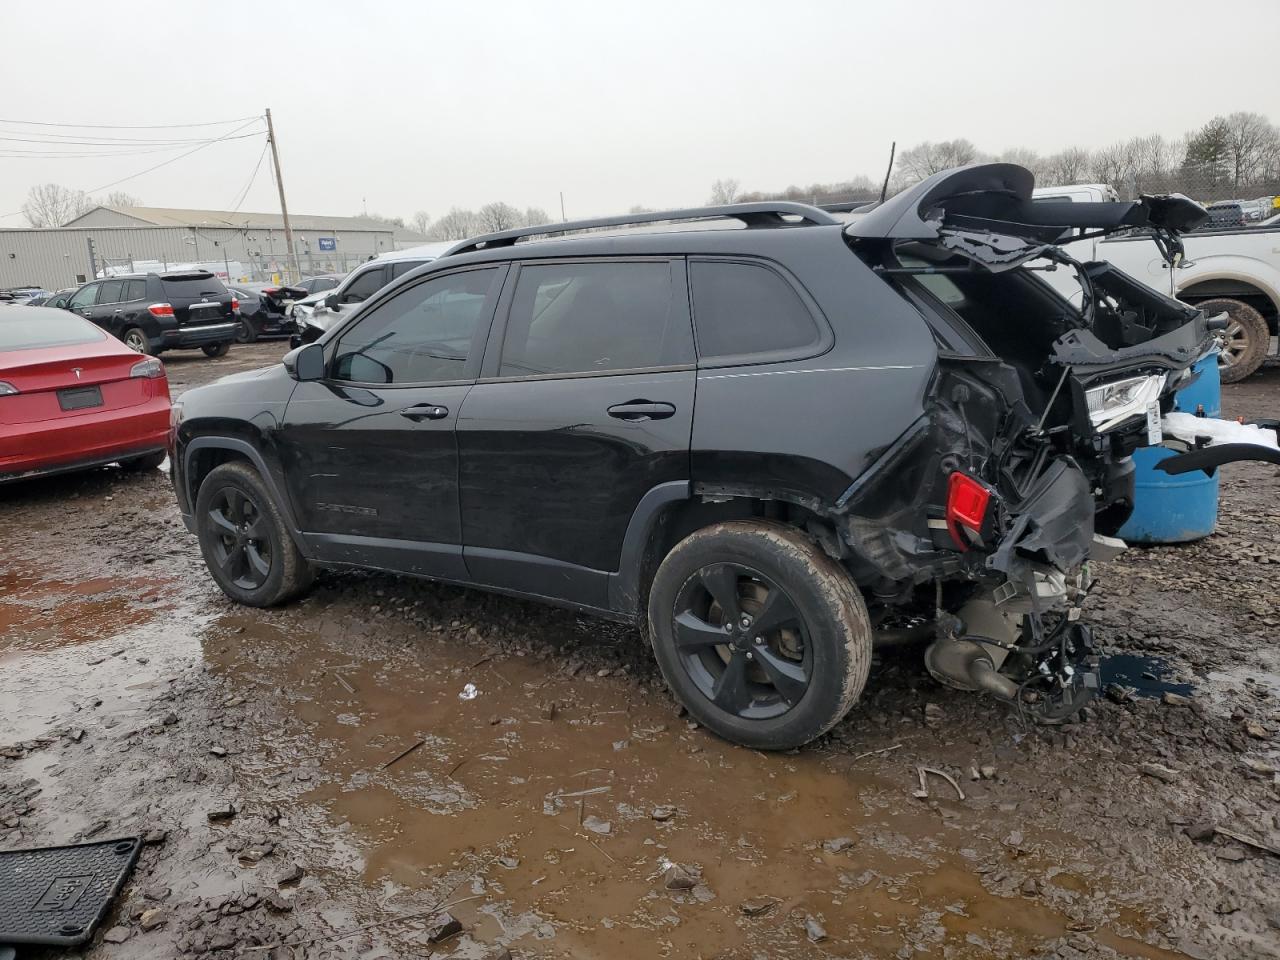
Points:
(305, 363)
(331, 301)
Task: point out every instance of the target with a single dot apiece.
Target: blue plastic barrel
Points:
(1168, 509)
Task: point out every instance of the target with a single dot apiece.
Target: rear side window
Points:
(109, 292)
(747, 309)
(134, 290)
(365, 285)
(193, 287)
(404, 266)
(32, 328)
(595, 317)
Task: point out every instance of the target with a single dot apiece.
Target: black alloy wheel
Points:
(742, 641)
(241, 547)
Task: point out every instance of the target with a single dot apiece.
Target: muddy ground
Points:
(315, 782)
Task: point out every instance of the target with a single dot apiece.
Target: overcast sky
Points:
(405, 106)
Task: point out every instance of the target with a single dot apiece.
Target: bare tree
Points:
(1025, 157)
(641, 208)
(533, 216)
(925, 159)
(1248, 137)
(1067, 167)
(52, 205)
(724, 192)
(118, 198)
(457, 224)
(420, 221)
(498, 216)
(379, 218)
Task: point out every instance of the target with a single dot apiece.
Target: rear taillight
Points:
(7, 389)
(968, 501)
(271, 291)
(150, 368)
(235, 305)
(161, 309)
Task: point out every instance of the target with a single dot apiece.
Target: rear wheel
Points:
(761, 635)
(149, 461)
(135, 338)
(216, 349)
(246, 332)
(245, 541)
(1246, 337)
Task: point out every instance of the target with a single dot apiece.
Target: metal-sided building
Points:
(252, 245)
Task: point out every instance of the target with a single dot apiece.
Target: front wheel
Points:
(246, 332)
(762, 636)
(245, 541)
(216, 349)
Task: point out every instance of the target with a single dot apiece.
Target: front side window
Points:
(747, 308)
(364, 286)
(423, 334)
(594, 317)
(84, 297)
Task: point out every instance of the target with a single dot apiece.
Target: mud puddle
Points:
(1142, 676)
(556, 805)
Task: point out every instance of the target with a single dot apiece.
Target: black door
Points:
(585, 406)
(369, 453)
(84, 300)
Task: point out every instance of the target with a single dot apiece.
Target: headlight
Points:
(1113, 403)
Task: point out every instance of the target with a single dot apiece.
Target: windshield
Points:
(26, 328)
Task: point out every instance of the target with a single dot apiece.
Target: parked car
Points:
(58, 298)
(1228, 271)
(263, 309)
(895, 423)
(318, 312)
(325, 281)
(26, 294)
(154, 312)
(72, 397)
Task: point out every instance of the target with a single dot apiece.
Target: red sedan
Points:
(73, 397)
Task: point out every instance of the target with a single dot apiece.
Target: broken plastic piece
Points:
(469, 692)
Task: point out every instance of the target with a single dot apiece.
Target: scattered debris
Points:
(293, 874)
(923, 792)
(155, 917)
(442, 927)
(469, 692)
(676, 877)
(117, 935)
(402, 754)
(838, 844)
(222, 813)
(1160, 772)
(596, 825)
(758, 906)
(814, 930)
(662, 813)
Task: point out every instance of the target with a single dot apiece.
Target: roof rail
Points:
(847, 206)
(771, 213)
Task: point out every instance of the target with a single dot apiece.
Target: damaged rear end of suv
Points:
(977, 526)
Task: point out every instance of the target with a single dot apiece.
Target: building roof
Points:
(180, 217)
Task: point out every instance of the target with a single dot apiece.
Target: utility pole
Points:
(93, 260)
(284, 208)
(563, 218)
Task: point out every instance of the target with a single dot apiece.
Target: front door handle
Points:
(425, 411)
(642, 410)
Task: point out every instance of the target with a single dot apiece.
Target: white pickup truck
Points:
(1236, 271)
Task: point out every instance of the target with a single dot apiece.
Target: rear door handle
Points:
(425, 411)
(642, 410)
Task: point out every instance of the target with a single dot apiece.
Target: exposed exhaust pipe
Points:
(967, 665)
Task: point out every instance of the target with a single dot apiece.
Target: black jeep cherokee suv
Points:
(772, 446)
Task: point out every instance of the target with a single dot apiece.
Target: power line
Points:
(252, 177)
(114, 149)
(72, 141)
(174, 159)
(127, 126)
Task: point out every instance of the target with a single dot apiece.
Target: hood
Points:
(966, 206)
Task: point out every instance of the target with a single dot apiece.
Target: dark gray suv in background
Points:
(772, 447)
